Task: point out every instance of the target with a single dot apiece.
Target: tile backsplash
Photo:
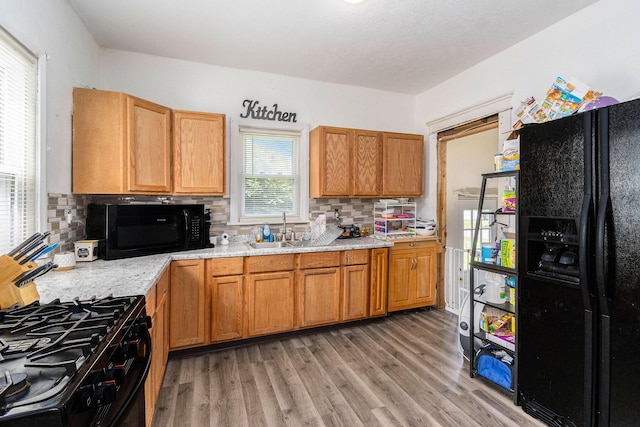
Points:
(58, 206)
(352, 211)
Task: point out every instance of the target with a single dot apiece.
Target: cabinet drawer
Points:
(266, 263)
(432, 244)
(319, 260)
(226, 266)
(359, 256)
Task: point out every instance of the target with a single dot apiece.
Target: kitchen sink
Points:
(270, 245)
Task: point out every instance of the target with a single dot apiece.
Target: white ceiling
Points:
(405, 46)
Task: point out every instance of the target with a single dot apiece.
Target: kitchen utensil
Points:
(45, 251)
(23, 244)
(35, 251)
(30, 247)
(29, 244)
(31, 275)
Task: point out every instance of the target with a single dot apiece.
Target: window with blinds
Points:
(270, 176)
(18, 173)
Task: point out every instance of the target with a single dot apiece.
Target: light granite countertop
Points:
(135, 276)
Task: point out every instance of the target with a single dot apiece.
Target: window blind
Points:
(270, 175)
(18, 174)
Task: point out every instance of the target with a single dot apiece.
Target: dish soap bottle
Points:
(266, 233)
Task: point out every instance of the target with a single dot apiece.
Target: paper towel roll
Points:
(65, 261)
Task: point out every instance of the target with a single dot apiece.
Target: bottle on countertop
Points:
(266, 233)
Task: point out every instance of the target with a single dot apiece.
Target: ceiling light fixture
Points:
(355, 1)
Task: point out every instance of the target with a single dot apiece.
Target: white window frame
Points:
(40, 196)
(236, 151)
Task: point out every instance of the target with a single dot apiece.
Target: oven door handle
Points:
(146, 339)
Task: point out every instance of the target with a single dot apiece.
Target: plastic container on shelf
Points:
(489, 253)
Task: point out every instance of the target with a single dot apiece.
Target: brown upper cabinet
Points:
(198, 153)
(402, 164)
(362, 163)
(344, 162)
(121, 144)
(126, 145)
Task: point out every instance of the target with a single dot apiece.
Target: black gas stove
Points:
(74, 363)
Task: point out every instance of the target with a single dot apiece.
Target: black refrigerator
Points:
(579, 268)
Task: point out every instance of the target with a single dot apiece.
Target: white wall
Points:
(189, 85)
(52, 26)
(599, 45)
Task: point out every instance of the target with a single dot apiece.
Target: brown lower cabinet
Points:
(412, 275)
(157, 307)
(225, 299)
(269, 303)
(379, 274)
(187, 304)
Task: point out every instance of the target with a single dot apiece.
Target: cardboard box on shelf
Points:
(511, 152)
(508, 253)
(509, 200)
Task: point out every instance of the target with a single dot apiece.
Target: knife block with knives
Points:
(10, 293)
(18, 270)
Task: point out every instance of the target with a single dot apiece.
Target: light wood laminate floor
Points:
(403, 370)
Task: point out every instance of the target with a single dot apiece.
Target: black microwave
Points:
(126, 231)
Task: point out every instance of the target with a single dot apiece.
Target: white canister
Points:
(64, 261)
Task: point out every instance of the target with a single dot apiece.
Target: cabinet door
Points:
(402, 164)
(198, 153)
(160, 335)
(269, 303)
(318, 296)
(425, 271)
(156, 304)
(226, 307)
(355, 286)
(330, 162)
(367, 164)
(401, 280)
(187, 308)
(379, 276)
(150, 382)
(149, 146)
(99, 134)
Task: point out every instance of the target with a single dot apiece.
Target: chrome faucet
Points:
(284, 226)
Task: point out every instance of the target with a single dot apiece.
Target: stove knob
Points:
(115, 373)
(146, 320)
(130, 349)
(86, 397)
(105, 392)
(139, 328)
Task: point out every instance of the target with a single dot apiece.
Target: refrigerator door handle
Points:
(603, 214)
(586, 218)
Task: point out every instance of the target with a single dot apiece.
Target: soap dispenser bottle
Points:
(266, 233)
